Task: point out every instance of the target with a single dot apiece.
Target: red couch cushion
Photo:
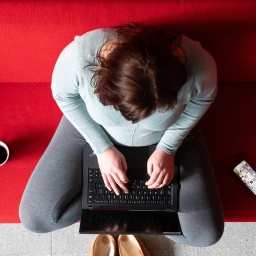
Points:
(29, 117)
(34, 32)
(229, 128)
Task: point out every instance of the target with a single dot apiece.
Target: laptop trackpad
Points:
(132, 222)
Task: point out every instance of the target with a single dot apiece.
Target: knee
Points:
(200, 237)
(31, 218)
(211, 236)
(40, 217)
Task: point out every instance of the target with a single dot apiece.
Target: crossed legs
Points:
(52, 198)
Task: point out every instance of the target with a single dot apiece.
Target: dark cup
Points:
(4, 153)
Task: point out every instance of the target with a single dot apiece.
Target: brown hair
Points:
(141, 74)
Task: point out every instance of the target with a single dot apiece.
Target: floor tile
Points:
(26, 254)
(238, 234)
(68, 240)
(69, 254)
(238, 240)
(163, 246)
(14, 239)
(175, 252)
(153, 242)
(234, 251)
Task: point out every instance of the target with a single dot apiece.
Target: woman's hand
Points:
(160, 169)
(113, 167)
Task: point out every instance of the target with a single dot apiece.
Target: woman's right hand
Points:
(113, 167)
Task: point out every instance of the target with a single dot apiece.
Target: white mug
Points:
(4, 153)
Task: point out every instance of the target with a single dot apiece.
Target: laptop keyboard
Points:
(138, 194)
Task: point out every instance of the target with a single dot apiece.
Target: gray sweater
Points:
(103, 126)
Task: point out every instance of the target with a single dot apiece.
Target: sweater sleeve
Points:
(66, 80)
(203, 93)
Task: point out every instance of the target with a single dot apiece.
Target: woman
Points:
(132, 85)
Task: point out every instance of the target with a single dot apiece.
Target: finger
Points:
(158, 182)
(107, 184)
(153, 178)
(122, 176)
(167, 179)
(149, 168)
(160, 186)
(120, 183)
(113, 184)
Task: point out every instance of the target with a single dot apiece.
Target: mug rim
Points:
(2, 144)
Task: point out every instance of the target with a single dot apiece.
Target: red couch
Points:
(34, 32)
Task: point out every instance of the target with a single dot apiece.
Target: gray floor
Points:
(238, 240)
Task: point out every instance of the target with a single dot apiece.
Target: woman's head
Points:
(141, 74)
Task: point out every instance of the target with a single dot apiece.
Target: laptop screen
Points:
(135, 222)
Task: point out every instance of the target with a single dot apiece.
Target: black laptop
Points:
(141, 211)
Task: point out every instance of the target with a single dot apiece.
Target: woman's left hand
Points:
(160, 168)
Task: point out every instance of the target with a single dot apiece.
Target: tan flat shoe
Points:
(103, 245)
(129, 245)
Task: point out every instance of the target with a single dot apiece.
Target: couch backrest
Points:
(33, 33)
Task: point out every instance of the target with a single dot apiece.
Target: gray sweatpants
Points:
(52, 198)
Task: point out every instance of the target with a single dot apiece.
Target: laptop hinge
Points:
(90, 207)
